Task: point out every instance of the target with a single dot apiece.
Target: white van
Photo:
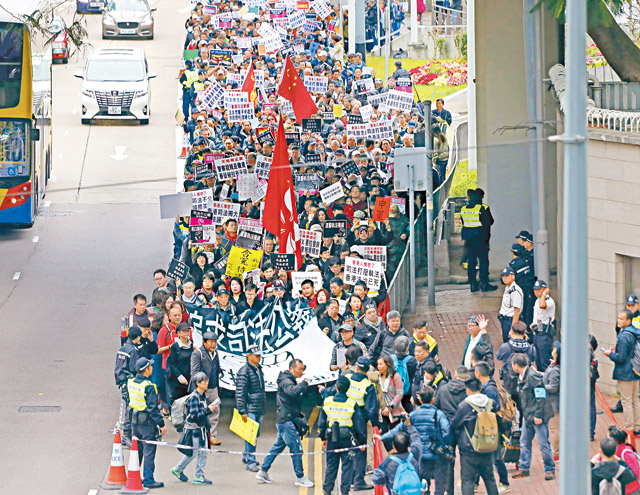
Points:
(116, 85)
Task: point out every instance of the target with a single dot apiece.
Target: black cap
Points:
(181, 327)
(134, 332)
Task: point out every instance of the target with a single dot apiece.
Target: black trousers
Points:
(477, 253)
(475, 466)
(146, 451)
(333, 463)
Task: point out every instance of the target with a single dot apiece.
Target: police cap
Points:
(517, 249)
(632, 299)
(363, 362)
(523, 234)
(508, 271)
(143, 363)
(540, 284)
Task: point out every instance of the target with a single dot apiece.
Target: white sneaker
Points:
(503, 489)
(305, 482)
(264, 477)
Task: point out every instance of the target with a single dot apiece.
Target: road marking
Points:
(313, 417)
(305, 464)
(120, 153)
(46, 204)
(16, 276)
(317, 468)
(36, 238)
(93, 492)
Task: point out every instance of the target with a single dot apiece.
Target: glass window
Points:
(632, 276)
(115, 70)
(11, 41)
(14, 158)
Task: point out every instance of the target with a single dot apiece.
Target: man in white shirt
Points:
(543, 325)
(512, 301)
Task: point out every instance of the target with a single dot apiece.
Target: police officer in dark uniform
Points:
(524, 279)
(340, 425)
(125, 368)
(188, 77)
(476, 232)
(525, 239)
(146, 418)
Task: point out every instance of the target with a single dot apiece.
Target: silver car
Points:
(127, 19)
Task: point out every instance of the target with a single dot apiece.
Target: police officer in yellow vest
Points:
(633, 306)
(146, 418)
(188, 77)
(198, 85)
(340, 425)
(476, 230)
(363, 393)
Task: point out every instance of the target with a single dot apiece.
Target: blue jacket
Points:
(464, 422)
(490, 389)
(385, 473)
(625, 345)
(424, 420)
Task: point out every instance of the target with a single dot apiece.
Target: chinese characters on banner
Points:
(221, 211)
(230, 168)
(370, 272)
(381, 209)
(242, 260)
(400, 100)
(316, 84)
(374, 253)
(310, 242)
(331, 193)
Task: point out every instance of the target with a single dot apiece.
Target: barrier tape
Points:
(240, 452)
(631, 438)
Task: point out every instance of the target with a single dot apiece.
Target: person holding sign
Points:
(251, 399)
(195, 431)
(368, 234)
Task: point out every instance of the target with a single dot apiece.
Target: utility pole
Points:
(431, 269)
(387, 39)
(575, 474)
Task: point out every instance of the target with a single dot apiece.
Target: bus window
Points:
(13, 151)
(11, 40)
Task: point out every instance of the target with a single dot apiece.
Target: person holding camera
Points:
(290, 423)
(341, 425)
(435, 434)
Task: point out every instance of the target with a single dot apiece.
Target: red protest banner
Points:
(381, 209)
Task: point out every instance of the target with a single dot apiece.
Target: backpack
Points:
(485, 436)
(401, 368)
(508, 376)
(508, 408)
(635, 358)
(179, 411)
(406, 480)
(612, 486)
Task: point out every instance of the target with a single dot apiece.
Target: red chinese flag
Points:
(292, 88)
(280, 216)
(249, 86)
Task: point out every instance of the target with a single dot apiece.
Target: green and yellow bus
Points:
(25, 109)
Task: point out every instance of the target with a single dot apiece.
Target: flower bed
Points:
(441, 73)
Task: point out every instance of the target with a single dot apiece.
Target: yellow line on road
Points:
(313, 417)
(305, 463)
(317, 468)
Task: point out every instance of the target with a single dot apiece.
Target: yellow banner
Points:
(242, 260)
(248, 430)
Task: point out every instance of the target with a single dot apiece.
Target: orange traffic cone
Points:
(185, 146)
(117, 475)
(134, 481)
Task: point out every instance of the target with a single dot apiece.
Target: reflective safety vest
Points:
(198, 86)
(136, 390)
(192, 76)
(636, 322)
(340, 412)
(471, 217)
(357, 390)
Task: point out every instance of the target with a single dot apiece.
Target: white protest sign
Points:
(382, 129)
(250, 225)
(356, 269)
(316, 84)
(244, 42)
(229, 168)
(239, 112)
(263, 166)
(235, 96)
(237, 59)
(266, 30)
(202, 200)
(262, 192)
(247, 186)
(222, 210)
(321, 8)
(379, 99)
(296, 20)
(358, 131)
(252, 276)
(258, 74)
(211, 96)
(298, 277)
(299, 48)
(234, 79)
(332, 193)
(374, 253)
(310, 241)
(272, 43)
(366, 111)
(399, 100)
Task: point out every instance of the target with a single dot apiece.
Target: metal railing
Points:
(613, 120)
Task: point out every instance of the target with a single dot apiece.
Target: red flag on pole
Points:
(249, 86)
(280, 216)
(292, 88)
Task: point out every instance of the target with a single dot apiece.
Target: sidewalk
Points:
(447, 323)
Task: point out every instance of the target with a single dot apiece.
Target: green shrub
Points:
(463, 179)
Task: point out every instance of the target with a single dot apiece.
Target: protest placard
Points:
(381, 209)
(232, 96)
(283, 261)
(379, 99)
(233, 79)
(358, 131)
(321, 8)
(258, 74)
(262, 192)
(175, 205)
(252, 276)
(177, 270)
(349, 168)
(272, 43)
(266, 138)
(202, 200)
(335, 227)
(203, 170)
(354, 118)
(242, 260)
(316, 84)
(382, 129)
(250, 225)
(292, 138)
(401, 202)
(239, 112)
(399, 100)
(243, 42)
(328, 117)
(296, 20)
(404, 84)
(263, 166)
(313, 158)
(249, 240)
(310, 241)
(298, 277)
(229, 168)
(247, 186)
(222, 210)
(221, 57)
(211, 96)
(307, 182)
(311, 125)
(331, 193)
(366, 111)
(221, 264)
(370, 272)
(374, 253)
(365, 85)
